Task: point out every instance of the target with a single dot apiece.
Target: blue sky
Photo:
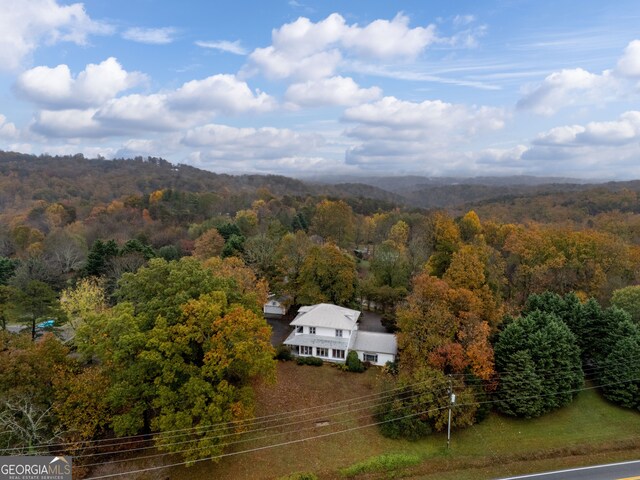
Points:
(314, 87)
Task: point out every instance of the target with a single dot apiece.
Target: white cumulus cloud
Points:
(567, 87)
(87, 106)
(629, 63)
(220, 93)
(247, 143)
(8, 130)
(625, 129)
(394, 132)
(330, 91)
(56, 88)
(578, 87)
(25, 25)
(307, 50)
(72, 123)
(384, 39)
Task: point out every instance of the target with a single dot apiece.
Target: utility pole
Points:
(452, 400)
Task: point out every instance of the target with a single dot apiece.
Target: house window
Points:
(337, 353)
(312, 330)
(299, 329)
(338, 333)
(322, 352)
(370, 357)
(304, 350)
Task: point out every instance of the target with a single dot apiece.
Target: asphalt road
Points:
(613, 471)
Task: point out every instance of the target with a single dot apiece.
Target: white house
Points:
(327, 331)
(275, 306)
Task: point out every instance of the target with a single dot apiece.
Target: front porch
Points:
(326, 348)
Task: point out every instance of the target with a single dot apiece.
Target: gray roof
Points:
(375, 342)
(317, 341)
(327, 315)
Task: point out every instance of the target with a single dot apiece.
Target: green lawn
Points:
(589, 431)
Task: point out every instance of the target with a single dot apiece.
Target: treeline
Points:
(530, 365)
(82, 183)
(158, 292)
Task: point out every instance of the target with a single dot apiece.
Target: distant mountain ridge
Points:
(58, 178)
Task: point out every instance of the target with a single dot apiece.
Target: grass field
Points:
(589, 431)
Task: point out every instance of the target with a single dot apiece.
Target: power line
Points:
(254, 430)
(320, 409)
(235, 442)
(332, 433)
(232, 422)
(279, 425)
(385, 394)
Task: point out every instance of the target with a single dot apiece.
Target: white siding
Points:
(326, 332)
(273, 309)
(383, 358)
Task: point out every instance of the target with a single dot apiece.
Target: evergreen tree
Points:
(521, 389)
(555, 360)
(620, 376)
(98, 258)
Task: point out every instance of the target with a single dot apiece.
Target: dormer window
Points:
(338, 333)
(299, 329)
(312, 330)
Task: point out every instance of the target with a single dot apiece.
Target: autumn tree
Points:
(290, 254)
(66, 251)
(333, 221)
(181, 350)
(209, 244)
(87, 298)
(470, 226)
(28, 373)
(328, 275)
(445, 241)
(247, 288)
(466, 269)
(628, 299)
(399, 234)
(419, 405)
(390, 265)
(444, 328)
(247, 222)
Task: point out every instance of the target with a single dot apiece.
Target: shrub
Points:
(313, 361)
(398, 420)
(300, 476)
(353, 362)
(382, 463)
(391, 368)
(389, 322)
(283, 353)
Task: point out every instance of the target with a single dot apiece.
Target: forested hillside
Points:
(80, 181)
(155, 275)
